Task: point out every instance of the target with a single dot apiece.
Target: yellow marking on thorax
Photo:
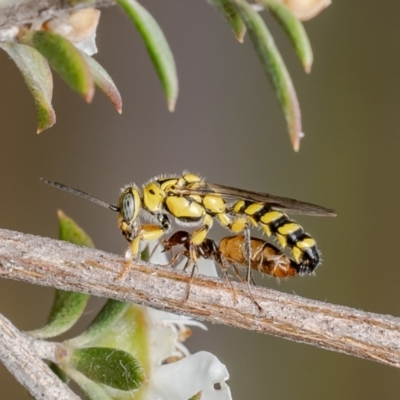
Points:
(190, 178)
(271, 216)
(195, 197)
(153, 197)
(181, 207)
(165, 186)
(214, 204)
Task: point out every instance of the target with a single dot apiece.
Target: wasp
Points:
(193, 202)
(230, 252)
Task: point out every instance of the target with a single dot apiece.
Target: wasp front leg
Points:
(148, 232)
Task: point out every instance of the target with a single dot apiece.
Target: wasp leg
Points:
(249, 275)
(223, 263)
(174, 257)
(146, 232)
(191, 260)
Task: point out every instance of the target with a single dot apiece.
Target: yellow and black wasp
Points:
(196, 203)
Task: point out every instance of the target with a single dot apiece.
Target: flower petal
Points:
(200, 372)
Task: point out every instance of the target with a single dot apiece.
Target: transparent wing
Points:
(275, 202)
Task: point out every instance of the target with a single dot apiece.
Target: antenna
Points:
(79, 193)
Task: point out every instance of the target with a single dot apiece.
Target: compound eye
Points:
(128, 207)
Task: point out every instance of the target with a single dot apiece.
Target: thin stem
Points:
(64, 266)
(22, 357)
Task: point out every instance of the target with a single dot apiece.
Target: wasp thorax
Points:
(127, 207)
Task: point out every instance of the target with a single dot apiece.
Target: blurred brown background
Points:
(228, 127)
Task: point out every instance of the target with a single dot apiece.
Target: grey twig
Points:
(22, 356)
(62, 265)
(32, 10)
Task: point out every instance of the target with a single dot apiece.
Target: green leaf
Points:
(157, 46)
(92, 390)
(108, 316)
(231, 16)
(70, 231)
(64, 57)
(274, 68)
(104, 81)
(111, 367)
(119, 325)
(294, 29)
(37, 75)
(67, 307)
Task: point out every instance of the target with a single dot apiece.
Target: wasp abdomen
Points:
(288, 232)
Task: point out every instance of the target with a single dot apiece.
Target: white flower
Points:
(187, 374)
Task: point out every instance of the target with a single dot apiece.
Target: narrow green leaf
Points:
(274, 67)
(70, 231)
(67, 306)
(294, 29)
(37, 75)
(232, 17)
(111, 367)
(157, 46)
(108, 316)
(104, 81)
(67, 309)
(64, 57)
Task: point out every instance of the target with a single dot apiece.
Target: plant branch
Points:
(64, 266)
(21, 355)
(33, 10)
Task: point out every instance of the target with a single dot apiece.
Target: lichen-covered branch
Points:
(61, 265)
(22, 357)
(32, 10)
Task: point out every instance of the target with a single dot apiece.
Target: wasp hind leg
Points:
(192, 260)
(237, 225)
(249, 275)
(224, 265)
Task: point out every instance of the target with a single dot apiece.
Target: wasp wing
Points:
(275, 202)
